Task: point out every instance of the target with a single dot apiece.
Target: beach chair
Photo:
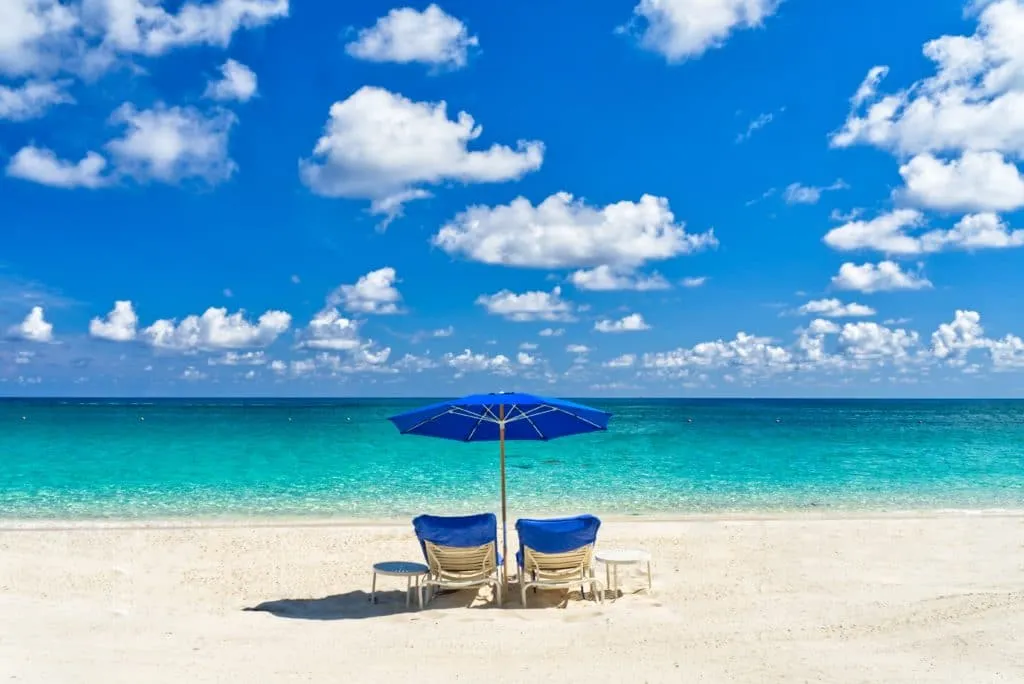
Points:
(461, 552)
(557, 554)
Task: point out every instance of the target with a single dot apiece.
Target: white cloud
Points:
(381, 146)
(237, 82)
(144, 27)
(867, 340)
(974, 231)
(31, 31)
(884, 233)
(973, 102)
(604, 278)
(624, 361)
(373, 293)
(753, 127)
(232, 358)
(193, 374)
(406, 35)
(42, 37)
(683, 29)
(528, 306)
(888, 233)
(977, 181)
(577, 348)
(881, 277)
(528, 346)
(42, 166)
(170, 144)
(833, 308)
(216, 329)
(32, 99)
(34, 328)
(330, 330)
(167, 144)
(796, 193)
(694, 281)
(748, 353)
(119, 325)
(415, 364)
(1007, 353)
(562, 232)
(552, 332)
(467, 362)
(525, 359)
(443, 332)
(952, 341)
(820, 326)
(869, 86)
(632, 323)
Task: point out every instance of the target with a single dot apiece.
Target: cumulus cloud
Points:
(552, 332)
(890, 233)
(631, 323)
(407, 35)
(143, 27)
(604, 278)
(170, 144)
(746, 353)
(881, 277)
(119, 325)
(373, 293)
(623, 361)
(384, 147)
(610, 242)
(34, 327)
(32, 99)
(237, 83)
(833, 308)
(977, 181)
(328, 329)
(469, 362)
(694, 281)
(684, 29)
(233, 358)
(42, 166)
(867, 340)
(43, 37)
(216, 329)
(528, 306)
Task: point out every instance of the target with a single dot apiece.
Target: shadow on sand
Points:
(355, 605)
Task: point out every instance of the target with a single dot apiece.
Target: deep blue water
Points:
(156, 459)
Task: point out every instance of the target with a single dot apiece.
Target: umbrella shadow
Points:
(356, 605)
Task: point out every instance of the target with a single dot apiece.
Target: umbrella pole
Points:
(504, 515)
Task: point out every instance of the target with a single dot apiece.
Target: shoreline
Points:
(271, 521)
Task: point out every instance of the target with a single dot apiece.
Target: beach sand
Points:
(898, 598)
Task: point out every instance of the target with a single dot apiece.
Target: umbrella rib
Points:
(526, 416)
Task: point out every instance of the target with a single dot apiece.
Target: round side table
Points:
(410, 571)
(613, 558)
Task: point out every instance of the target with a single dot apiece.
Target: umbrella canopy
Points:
(500, 417)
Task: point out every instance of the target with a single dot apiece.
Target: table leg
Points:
(608, 577)
(615, 577)
(419, 592)
(408, 591)
(373, 589)
(649, 586)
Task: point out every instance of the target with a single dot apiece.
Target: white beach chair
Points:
(568, 559)
(458, 567)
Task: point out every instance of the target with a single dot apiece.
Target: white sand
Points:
(917, 598)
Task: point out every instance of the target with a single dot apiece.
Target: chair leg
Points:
(522, 589)
(373, 589)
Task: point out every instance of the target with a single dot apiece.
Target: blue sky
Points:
(654, 197)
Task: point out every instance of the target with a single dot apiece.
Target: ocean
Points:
(127, 459)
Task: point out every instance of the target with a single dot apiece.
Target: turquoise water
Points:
(122, 459)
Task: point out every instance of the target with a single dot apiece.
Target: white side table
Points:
(613, 558)
(410, 571)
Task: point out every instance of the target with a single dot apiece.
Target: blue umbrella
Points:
(500, 417)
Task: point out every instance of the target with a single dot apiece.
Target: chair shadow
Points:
(355, 605)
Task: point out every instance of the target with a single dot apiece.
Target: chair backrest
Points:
(459, 532)
(557, 543)
(456, 561)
